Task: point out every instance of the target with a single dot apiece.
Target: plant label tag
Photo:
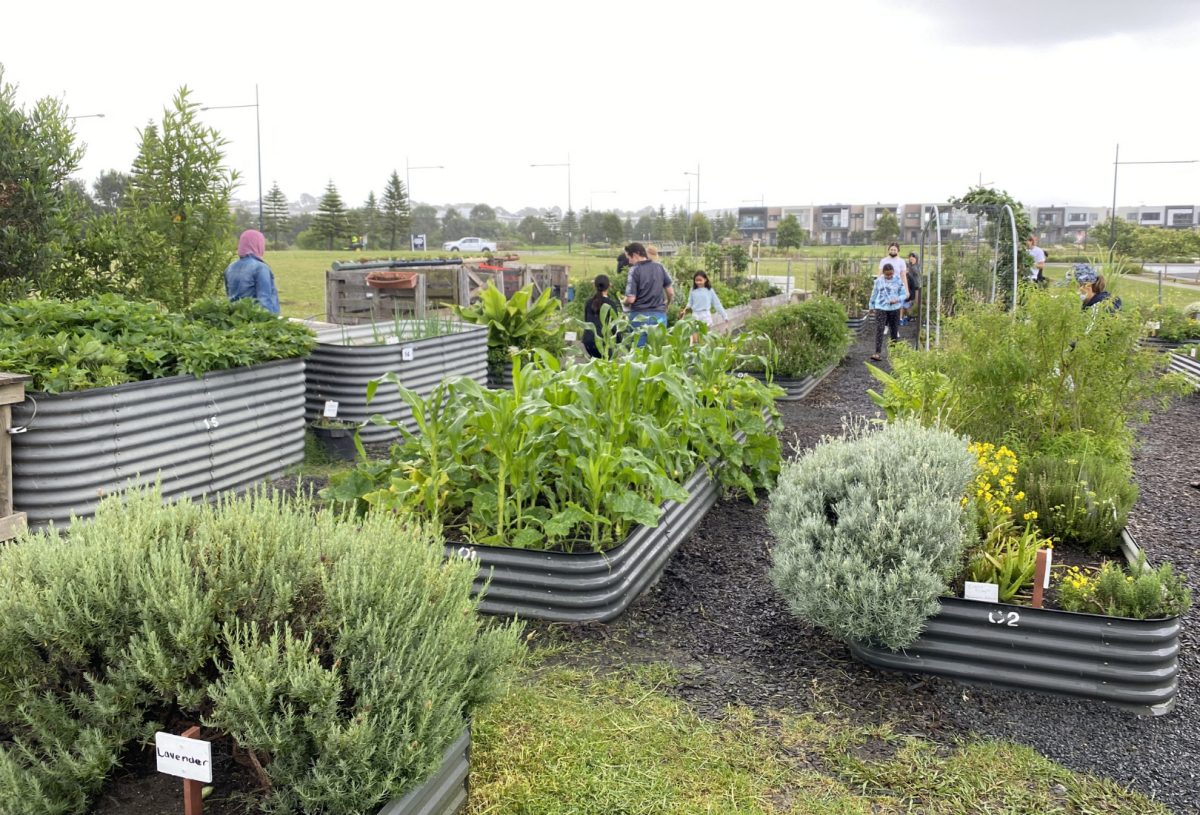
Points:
(406, 353)
(392, 340)
(987, 592)
(331, 408)
(1049, 558)
(185, 758)
(570, 336)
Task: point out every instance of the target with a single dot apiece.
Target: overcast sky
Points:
(796, 102)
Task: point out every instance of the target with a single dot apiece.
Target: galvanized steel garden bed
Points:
(1189, 366)
(443, 793)
(797, 389)
(592, 587)
(347, 358)
(226, 430)
(1132, 664)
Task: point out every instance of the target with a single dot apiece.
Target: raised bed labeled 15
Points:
(226, 430)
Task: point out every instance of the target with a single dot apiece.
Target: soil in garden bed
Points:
(716, 618)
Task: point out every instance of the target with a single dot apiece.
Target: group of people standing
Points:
(895, 295)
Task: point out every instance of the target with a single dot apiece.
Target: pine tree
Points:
(396, 214)
(331, 221)
(552, 225)
(368, 220)
(569, 225)
(275, 212)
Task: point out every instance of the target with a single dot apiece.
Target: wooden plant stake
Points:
(1041, 566)
(193, 791)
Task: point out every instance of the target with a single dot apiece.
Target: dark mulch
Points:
(715, 616)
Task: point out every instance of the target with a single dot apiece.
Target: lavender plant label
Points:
(182, 757)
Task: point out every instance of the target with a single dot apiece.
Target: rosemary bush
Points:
(1083, 499)
(870, 528)
(807, 337)
(344, 656)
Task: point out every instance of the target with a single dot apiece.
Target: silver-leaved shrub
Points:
(344, 656)
(869, 529)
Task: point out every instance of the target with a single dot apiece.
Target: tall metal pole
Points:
(258, 140)
(1012, 219)
(1112, 222)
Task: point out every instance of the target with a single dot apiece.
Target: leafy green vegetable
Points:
(107, 340)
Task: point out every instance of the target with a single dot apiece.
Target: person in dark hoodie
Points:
(594, 315)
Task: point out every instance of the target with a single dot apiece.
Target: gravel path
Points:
(715, 616)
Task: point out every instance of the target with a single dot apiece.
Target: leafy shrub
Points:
(1082, 500)
(1051, 372)
(870, 529)
(575, 457)
(807, 337)
(516, 325)
(107, 340)
(847, 280)
(1174, 324)
(344, 655)
(1140, 593)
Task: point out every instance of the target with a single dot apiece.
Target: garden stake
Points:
(193, 797)
(1039, 577)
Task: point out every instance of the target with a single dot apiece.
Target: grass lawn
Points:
(576, 741)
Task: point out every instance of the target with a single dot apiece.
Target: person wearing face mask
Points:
(894, 260)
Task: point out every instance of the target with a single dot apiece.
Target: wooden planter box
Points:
(227, 430)
(12, 392)
(1131, 664)
(591, 587)
(443, 793)
(346, 358)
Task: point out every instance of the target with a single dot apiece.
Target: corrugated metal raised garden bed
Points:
(347, 358)
(592, 587)
(443, 793)
(1132, 664)
(226, 430)
(1187, 365)
(797, 389)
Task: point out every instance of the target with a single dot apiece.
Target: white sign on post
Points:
(406, 353)
(1049, 558)
(185, 758)
(569, 336)
(987, 592)
(331, 409)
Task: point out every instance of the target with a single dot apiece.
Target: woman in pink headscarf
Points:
(249, 276)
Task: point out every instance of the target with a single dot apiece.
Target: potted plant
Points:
(335, 438)
(801, 344)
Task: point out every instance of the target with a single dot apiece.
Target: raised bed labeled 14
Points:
(1132, 664)
(420, 352)
(226, 430)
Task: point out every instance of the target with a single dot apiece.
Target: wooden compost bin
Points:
(12, 392)
(350, 300)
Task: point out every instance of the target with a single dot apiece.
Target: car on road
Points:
(469, 245)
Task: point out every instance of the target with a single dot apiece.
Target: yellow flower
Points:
(1031, 515)
(1020, 496)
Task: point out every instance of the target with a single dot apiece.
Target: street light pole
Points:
(258, 143)
(697, 174)
(1112, 229)
(408, 181)
(568, 166)
(85, 116)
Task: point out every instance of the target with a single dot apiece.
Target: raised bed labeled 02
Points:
(225, 430)
(347, 358)
(593, 587)
(1131, 664)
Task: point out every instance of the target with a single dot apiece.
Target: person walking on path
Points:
(1037, 271)
(598, 319)
(249, 275)
(912, 278)
(649, 290)
(886, 299)
(893, 259)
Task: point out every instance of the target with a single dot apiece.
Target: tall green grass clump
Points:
(805, 337)
(344, 656)
(870, 528)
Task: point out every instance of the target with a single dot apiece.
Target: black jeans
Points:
(890, 320)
